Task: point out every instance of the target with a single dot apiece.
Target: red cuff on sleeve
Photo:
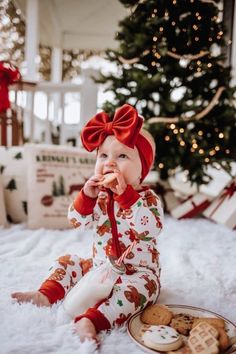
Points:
(128, 198)
(99, 320)
(53, 290)
(84, 204)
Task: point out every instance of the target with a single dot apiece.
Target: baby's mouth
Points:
(107, 172)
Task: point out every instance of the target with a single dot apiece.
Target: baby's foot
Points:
(86, 330)
(35, 297)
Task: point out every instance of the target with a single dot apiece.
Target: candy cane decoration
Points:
(119, 261)
(125, 254)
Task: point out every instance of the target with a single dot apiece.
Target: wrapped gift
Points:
(192, 206)
(167, 195)
(180, 183)
(223, 209)
(220, 179)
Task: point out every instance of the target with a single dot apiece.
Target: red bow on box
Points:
(8, 75)
(125, 125)
(228, 192)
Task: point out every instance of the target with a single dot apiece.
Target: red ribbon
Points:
(8, 75)
(228, 192)
(125, 125)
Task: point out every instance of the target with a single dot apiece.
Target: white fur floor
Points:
(198, 268)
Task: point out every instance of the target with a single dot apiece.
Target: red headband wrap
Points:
(125, 126)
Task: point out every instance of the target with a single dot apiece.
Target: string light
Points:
(201, 151)
(172, 126)
(182, 143)
(173, 23)
(155, 11)
(153, 63)
(153, 15)
(210, 39)
(181, 130)
(199, 18)
(154, 39)
(221, 135)
(212, 152)
(161, 29)
(195, 27)
(175, 131)
(206, 159)
(161, 165)
(209, 65)
(196, 39)
(217, 148)
(200, 133)
(195, 146)
(227, 151)
(167, 138)
(157, 55)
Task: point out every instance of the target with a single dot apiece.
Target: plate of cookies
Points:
(180, 329)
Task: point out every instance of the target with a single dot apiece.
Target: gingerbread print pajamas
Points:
(117, 221)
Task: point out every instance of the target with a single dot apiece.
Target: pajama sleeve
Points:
(146, 219)
(80, 212)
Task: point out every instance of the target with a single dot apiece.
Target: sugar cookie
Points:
(163, 338)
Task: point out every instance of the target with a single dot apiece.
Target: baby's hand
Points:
(91, 187)
(120, 186)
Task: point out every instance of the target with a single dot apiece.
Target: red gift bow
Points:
(228, 192)
(125, 126)
(8, 75)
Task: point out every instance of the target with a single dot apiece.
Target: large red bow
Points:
(125, 126)
(8, 75)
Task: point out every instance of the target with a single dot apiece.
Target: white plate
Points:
(135, 326)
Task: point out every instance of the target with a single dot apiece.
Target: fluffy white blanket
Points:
(198, 268)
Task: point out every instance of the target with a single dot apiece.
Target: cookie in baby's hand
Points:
(156, 315)
(108, 180)
(163, 338)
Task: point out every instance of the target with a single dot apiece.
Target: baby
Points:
(122, 213)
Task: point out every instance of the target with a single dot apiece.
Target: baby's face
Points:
(113, 155)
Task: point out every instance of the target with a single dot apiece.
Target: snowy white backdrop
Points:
(198, 268)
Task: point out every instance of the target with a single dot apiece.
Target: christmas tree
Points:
(171, 67)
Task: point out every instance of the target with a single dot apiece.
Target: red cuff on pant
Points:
(53, 290)
(99, 320)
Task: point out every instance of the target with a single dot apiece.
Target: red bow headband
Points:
(125, 126)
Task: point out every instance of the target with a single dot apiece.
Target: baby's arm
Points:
(146, 213)
(80, 213)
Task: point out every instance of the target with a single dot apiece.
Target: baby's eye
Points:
(103, 155)
(123, 156)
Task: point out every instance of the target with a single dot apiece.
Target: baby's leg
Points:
(35, 297)
(64, 274)
(132, 294)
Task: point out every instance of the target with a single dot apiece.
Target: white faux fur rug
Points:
(198, 268)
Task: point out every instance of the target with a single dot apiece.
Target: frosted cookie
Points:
(109, 179)
(156, 315)
(183, 323)
(162, 338)
(203, 339)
